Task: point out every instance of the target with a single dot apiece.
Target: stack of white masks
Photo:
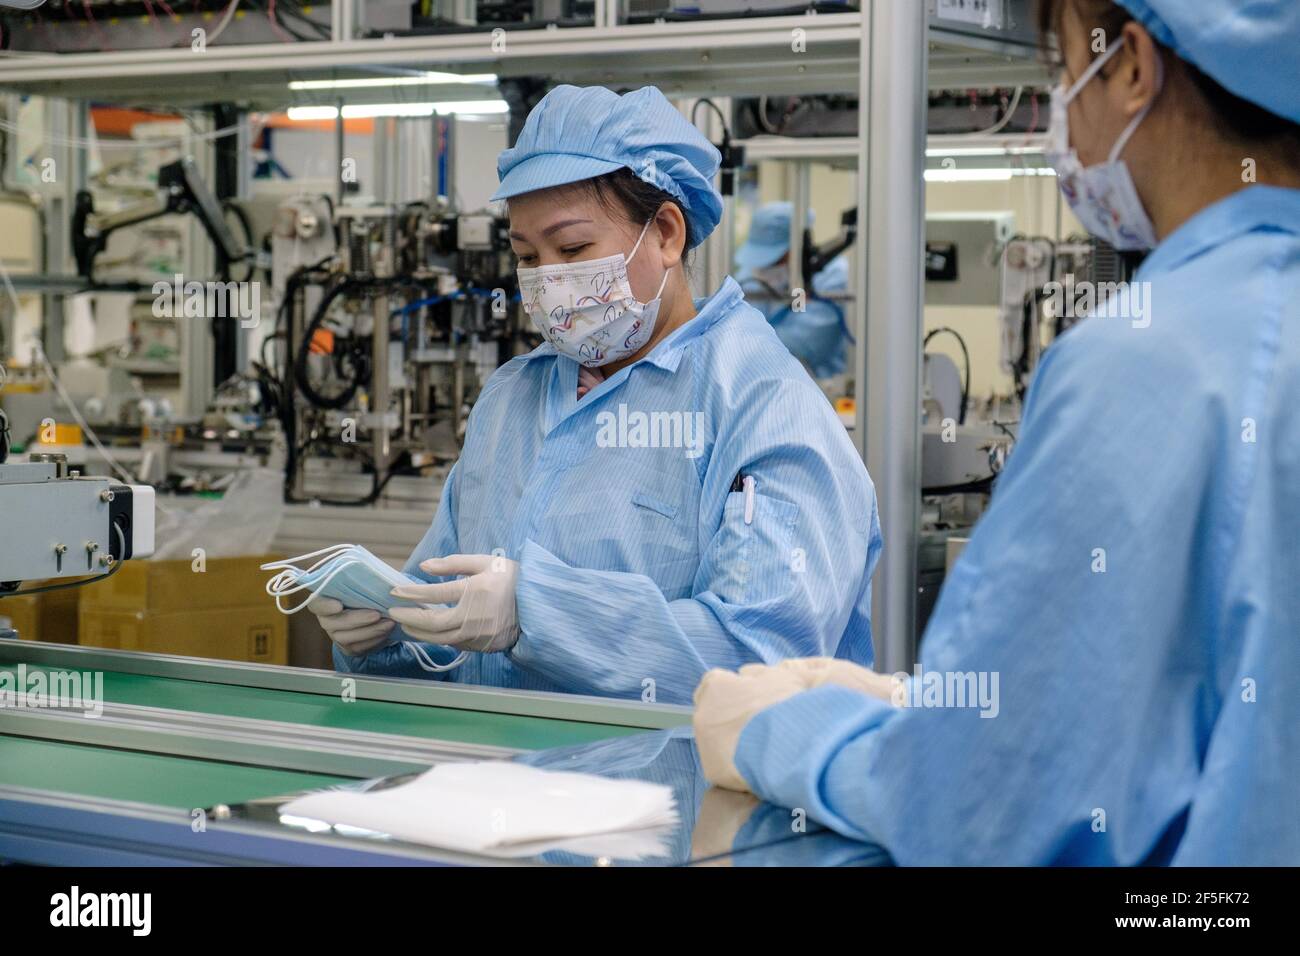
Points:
(355, 578)
(504, 809)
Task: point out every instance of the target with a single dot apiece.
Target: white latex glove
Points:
(483, 617)
(357, 631)
(817, 671)
(725, 702)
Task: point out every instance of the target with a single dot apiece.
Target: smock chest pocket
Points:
(653, 532)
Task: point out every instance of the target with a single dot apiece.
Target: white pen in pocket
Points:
(748, 484)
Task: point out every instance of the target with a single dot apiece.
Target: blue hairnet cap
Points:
(578, 133)
(1247, 46)
(769, 236)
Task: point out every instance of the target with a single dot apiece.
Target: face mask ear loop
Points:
(282, 584)
(1125, 136)
(426, 663)
(662, 285)
(315, 587)
(644, 230)
(293, 562)
(1094, 68)
(290, 574)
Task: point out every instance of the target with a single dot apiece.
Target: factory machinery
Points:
(381, 345)
(384, 323)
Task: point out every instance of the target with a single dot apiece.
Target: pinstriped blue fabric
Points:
(1157, 688)
(638, 570)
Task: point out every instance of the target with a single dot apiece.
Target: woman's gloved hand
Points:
(725, 702)
(357, 631)
(817, 671)
(483, 616)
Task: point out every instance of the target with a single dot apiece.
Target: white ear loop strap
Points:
(1125, 136)
(1093, 69)
(427, 663)
(664, 283)
(289, 581)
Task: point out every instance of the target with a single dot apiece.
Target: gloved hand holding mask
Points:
(356, 631)
(351, 596)
(483, 616)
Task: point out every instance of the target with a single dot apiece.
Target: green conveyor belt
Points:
(440, 723)
(144, 778)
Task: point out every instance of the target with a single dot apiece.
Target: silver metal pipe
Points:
(380, 392)
(891, 201)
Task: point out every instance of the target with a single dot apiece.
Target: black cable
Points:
(978, 486)
(965, 389)
(294, 9)
(279, 22)
(229, 205)
(278, 329)
(299, 278)
(300, 368)
(121, 540)
(705, 101)
(292, 365)
(377, 484)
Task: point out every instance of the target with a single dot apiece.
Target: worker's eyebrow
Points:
(553, 227)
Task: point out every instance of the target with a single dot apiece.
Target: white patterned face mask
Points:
(1102, 196)
(355, 578)
(587, 309)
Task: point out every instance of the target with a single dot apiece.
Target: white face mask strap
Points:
(329, 552)
(289, 581)
(1125, 136)
(644, 230)
(662, 285)
(1093, 70)
(427, 663)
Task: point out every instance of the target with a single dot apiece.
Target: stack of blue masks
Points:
(355, 578)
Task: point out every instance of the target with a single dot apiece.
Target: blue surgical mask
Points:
(355, 578)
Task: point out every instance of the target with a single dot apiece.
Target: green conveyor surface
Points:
(144, 778)
(440, 723)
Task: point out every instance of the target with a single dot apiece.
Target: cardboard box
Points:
(43, 617)
(58, 621)
(219, 609)
(23, 614)
(163, 587)
(256, 634)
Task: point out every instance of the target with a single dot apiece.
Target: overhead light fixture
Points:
(984, 151)
(984, 175)
(301, 114)
(419, 79)
(373, 110)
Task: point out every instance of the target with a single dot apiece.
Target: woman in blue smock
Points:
(1125, 622)
(813, 329)
(657, 489)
